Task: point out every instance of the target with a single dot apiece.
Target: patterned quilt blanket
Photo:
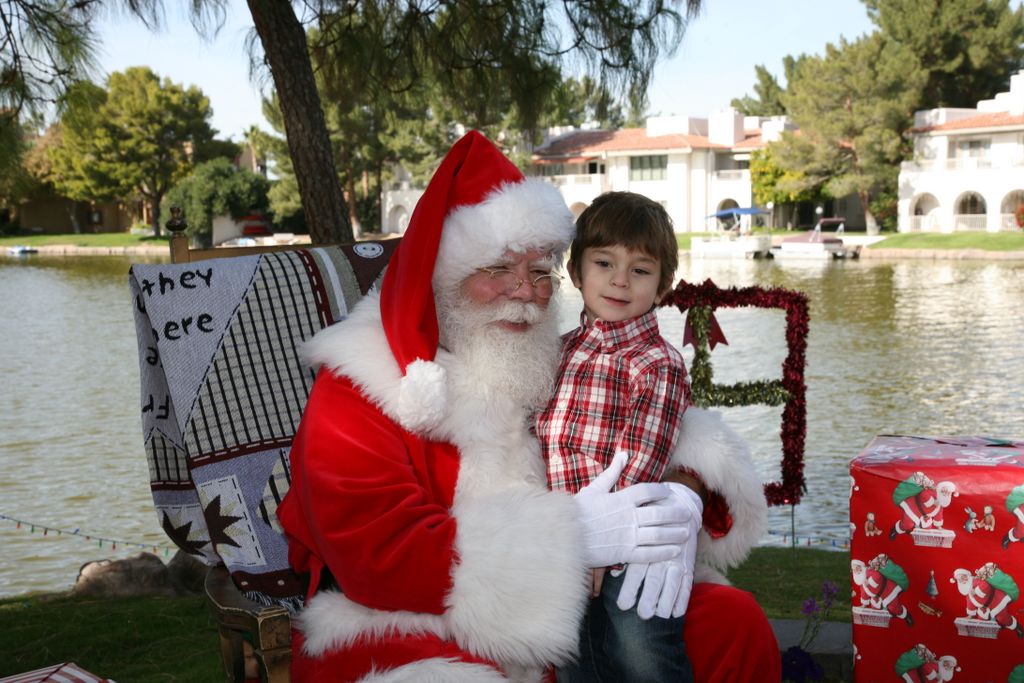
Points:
(223, 389)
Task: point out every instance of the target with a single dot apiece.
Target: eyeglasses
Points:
(543, 285)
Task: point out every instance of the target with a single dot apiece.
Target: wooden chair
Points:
(223, 388)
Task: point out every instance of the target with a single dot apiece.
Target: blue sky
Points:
(714, 63)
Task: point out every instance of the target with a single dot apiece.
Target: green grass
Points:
(105, 239)
(127, 639)
(783, 578)
(174, 639)
(999, 241)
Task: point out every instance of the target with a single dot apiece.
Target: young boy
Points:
(620, 387)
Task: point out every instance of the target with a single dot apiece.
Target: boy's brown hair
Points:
(632, 221)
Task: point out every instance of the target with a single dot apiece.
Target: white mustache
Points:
(517, 312)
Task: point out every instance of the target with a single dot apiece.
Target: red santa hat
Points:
(477, 207)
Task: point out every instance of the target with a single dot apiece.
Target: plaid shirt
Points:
(620, 386)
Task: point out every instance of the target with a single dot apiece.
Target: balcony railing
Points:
(595, 180)
(969, 221)
(962, 222)
(925, 224)
(962, 164)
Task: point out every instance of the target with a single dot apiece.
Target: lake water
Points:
(912, 347)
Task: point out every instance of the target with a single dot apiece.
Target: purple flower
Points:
(810, 607)
(829, 590)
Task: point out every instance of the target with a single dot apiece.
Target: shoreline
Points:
(75, 250)
(866, 252)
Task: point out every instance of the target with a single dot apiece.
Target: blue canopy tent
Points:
(736, 213)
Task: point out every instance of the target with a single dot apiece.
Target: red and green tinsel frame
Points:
(698, 302)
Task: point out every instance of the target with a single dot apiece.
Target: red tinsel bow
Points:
(715, 334)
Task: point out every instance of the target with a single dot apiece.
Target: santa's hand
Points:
(666, 584)
(622, 527)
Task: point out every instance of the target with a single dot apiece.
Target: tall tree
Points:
(783, 187)
(576, 101)
(134, 139)
(482, 46)
(67, 160)
(852, 107)
(619, 41)
(217, 188)
(969, 48)
(45, 46)
(12, 152)
(767, 99)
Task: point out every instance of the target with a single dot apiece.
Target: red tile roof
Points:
(592, 143)
(991, 120)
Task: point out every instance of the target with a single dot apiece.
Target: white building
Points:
(693, 166)
(968, 166)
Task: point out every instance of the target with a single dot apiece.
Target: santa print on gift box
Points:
(991, 594)
(920, 665)
(1015, 505)
(922, 502)
(881, 581)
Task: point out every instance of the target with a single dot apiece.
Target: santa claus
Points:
(922, 503)
(920, 665)
(990, 594)
(881, 581)
(419, 507)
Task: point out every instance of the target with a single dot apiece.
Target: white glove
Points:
(621, 527)
(666, 584)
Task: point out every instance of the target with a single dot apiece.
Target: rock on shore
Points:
(142, 574)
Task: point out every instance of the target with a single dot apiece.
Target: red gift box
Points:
(937, 560)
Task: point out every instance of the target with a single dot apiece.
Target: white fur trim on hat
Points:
(422, 396)
(514, 217)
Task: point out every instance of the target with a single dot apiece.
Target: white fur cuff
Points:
(422, 396)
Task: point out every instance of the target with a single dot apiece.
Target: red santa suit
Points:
(881, 592)
(985, 601)
(419, 506)
(926, 673)
(922, 511)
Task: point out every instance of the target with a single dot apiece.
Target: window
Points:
(971, 149)
(648, 168)
(548, 170)
(595, 167)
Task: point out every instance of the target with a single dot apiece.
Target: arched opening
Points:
(1012, 211)
(970, 212)
(398, 219)
(730, 221)
(577, 208)
(924, 213)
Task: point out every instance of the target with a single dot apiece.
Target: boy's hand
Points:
(596, 579)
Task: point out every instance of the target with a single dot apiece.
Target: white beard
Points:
(516, 365)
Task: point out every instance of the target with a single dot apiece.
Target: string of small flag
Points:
(789, 539)
(46, 530)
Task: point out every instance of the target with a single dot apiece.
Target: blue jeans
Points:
(617, 646)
